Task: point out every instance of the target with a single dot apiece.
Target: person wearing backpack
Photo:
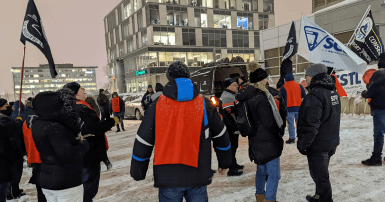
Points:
(268, 123)
(117, 107)
(183, 155)
(292, 93)
(227, 110)
(146, 99)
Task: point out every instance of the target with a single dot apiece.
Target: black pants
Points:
(3, 191)
(91, 178)
(234, 146)
(17, 169)
(40, 195)
(319, 171)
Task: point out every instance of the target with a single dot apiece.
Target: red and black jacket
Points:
(181, 125)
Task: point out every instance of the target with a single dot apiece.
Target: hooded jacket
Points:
(92, 125)
(376, 90)
(15, 113)
(54, 132)
(292, 93)
(267, 143)
(319, 117)
(176, 162)
(8, 149)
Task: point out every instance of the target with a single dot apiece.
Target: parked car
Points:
(133, 105)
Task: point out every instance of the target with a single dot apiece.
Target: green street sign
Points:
(138, 73)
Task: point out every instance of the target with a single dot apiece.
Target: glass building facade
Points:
(146, 36)
(38, 79)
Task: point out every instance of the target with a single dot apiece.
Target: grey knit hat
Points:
(315, 69)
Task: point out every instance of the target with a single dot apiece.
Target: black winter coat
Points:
(93, 125)
(267, 143)
(376, 90)
(54, 132)
(7, 148)
(226, 109)
(319, 117)
(103, 103)
(178, 175)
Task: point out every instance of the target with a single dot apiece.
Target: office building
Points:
(143, 37)
(38, 79)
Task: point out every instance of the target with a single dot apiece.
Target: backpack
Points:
(243, 120)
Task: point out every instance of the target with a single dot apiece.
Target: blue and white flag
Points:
(318, 46)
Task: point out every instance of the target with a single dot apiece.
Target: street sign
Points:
(138, 73)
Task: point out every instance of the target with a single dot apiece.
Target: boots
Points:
(314, 198)
(260, 197)
(373, 161)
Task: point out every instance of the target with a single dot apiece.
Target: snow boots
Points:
(240, 167)
(260, 197)
(290, 141)
(373, 161)
(108, 164)
(234, 173)
(314, 198)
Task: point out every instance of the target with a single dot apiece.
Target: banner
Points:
(291, 44)
(318, 46)
(33, 32)
(351, 82)
(367, 42)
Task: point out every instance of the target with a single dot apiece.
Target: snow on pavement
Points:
(350, 180)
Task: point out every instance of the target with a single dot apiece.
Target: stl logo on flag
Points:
(365, 29)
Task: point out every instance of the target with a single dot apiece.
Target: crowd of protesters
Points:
(62, 134)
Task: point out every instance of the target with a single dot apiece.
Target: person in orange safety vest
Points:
(292, 93)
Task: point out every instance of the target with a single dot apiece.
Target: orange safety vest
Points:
(32, 153)
(293, 94)
(115, 105)
(178, 143)
(340, 90)
(81, 102)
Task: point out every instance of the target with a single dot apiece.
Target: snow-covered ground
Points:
(351, 181)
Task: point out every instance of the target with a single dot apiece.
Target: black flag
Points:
(33, 31)
(291, 44)
(367, 42)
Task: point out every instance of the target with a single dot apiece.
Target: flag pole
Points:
(359, 24)
(22, 76)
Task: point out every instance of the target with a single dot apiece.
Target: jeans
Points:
(319, 172)
(74, 194)
(3, 191)
(379, 130)
(197, 194)
(234, 139)
(273, 171)
(121, 118)
(91, 178)
(291, 116)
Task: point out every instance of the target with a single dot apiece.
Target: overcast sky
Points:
(75, 32)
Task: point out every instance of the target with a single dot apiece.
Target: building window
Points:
(230, 4)
(329, 1)
(136, 5)
(319, 2)
(191, 59)
(241, 39)
(144, 38)
(247, 57)
(137, 41)
(207, 3)
(263, 21)
(130, 44)
(180, 16)
(215, 38)
(200, 17)
(256, 39)
(268, 6)
(164, 36)
(153, 17)
(255, 5)
(127, 9)
(246, 5)
(133, 25)
(126, 32)
(170, 15)
(222, 19)
(140, 19)
(245, 21)
(188, 36)
(216, 3)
